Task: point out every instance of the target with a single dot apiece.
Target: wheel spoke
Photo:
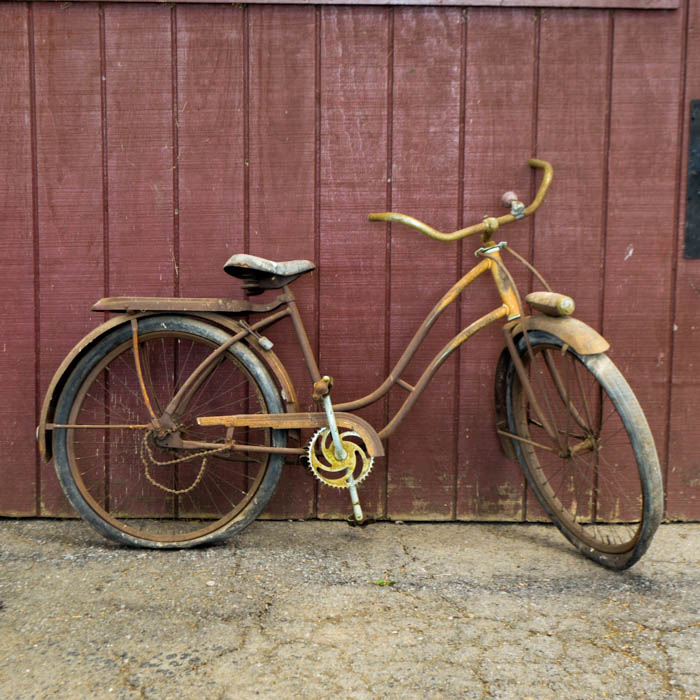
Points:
(591, 484)
(195, 495)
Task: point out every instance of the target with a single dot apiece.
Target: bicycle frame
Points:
(581, 337)
(510, 309)
(551, 380)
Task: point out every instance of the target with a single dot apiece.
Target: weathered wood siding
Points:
(143, 144)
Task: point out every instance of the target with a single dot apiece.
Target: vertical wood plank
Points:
(69, 173)
(500, 92)
(572, 132)
(683, 471)
(210, 138)
(210, 160)
(17, 359)
(140, 136)
(142, 256)
(641, 233)
(354, 57)
(282, 181)
(425, 183)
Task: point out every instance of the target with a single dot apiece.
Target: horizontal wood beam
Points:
(590, 4)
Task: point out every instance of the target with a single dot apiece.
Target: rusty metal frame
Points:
(510, 309)
(205, 309)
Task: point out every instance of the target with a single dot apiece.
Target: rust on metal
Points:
(338, 472)
(322, 388)
(580, 336)
(301, 420)
(174, 440)
(417, 339)
(303, 338)
(500, 379)
(487, 226)
(289, 394)
(525, 381)
(405, 385)
(139, 370)
(92, 426)
(505, 285)
(269, 358)
(60, 376)
(551, 303)
(433, 367)
(195, 379)
(228, 306)
(337, 464)
(519, 438)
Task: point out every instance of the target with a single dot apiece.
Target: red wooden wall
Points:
(141, 145)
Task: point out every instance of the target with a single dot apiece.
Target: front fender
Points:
(43, 433)
(578, 335)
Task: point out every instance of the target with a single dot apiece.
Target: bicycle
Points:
(170, 423)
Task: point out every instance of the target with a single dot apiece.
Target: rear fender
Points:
(43, 433)
(578, 335)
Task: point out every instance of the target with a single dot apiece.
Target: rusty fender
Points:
(579, 336)
(269, 359)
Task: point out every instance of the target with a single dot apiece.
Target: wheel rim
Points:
(108, 466)
(587, 478)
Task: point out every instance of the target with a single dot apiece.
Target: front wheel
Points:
(587, 453)
(133, 483)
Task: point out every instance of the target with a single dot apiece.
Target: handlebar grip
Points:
(507, 198)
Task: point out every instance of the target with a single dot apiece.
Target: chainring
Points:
(333, 471)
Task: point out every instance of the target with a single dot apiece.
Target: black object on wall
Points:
(692, 217)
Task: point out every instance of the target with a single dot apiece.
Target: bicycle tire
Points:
(599, 481)
(132, 488)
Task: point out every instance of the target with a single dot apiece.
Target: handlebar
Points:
(489, 224)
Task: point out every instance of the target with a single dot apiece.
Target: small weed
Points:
(386, 581)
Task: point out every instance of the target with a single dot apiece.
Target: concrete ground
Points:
(322, 610)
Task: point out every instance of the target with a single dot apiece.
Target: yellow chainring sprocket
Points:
(335, 472)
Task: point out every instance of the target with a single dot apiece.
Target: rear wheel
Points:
(133, 483)
(588, 454)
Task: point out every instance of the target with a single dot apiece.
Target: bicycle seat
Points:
(259, 274)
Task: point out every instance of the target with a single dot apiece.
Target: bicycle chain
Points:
(205, 453)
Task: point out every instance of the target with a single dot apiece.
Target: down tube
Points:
(433, 367)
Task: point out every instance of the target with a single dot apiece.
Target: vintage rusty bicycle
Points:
(170, 423)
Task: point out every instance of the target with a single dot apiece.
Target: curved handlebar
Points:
(489, 224)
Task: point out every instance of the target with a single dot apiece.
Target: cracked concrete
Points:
(294, 609)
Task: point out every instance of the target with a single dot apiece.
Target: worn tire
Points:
(605, 494)
(97, 468)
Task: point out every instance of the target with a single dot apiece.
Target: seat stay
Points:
(203, 370)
